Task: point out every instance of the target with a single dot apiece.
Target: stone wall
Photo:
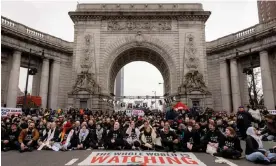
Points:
(64, 86)
(214, 85)
(5, 72)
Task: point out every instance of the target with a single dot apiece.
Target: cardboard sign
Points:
(135, 113)
(10, 111)
(141, 158)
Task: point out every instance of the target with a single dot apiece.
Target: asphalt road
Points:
(51, 158)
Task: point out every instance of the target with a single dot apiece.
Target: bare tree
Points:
(255, 91)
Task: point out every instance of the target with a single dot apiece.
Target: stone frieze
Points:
(114, 25)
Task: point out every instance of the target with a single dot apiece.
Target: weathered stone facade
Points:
(154, 33)
(228, 83)
(108, 36)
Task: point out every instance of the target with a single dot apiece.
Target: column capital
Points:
(222, 60)
(263, 52)
(17, 52)
(45, 59)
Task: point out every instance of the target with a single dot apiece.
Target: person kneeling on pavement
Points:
(10, 141)
(255, 151)
(229, 146)
(28, 138)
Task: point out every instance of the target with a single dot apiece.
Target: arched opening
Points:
(140, 82)
(140, 54)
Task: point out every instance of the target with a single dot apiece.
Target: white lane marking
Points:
(71, 162)
(226, 161)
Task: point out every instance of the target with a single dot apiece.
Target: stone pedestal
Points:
(194, 91)
(43, 93)
(235, 84)
(95, 102)
(14, 80)
(267, 81)
(196, 97)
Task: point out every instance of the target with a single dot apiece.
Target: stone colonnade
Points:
(230, 87)
(47, 93)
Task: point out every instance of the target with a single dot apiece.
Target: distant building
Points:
(119, 83)
(266, 10)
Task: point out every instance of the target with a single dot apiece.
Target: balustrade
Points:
(241, 34)
(22, 29)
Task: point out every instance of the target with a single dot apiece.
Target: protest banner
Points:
(272, 112)
(10, 111)
(135, 113)
(141, 158)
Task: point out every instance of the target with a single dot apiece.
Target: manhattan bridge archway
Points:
(169, 36)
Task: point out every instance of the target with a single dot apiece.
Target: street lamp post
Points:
(30, 71)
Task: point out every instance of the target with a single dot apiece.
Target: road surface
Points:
(51, 158)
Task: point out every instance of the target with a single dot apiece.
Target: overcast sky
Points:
(141, 78)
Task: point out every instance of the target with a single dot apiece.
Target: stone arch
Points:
(156, 47)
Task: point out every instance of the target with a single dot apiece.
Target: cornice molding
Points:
(182, 15)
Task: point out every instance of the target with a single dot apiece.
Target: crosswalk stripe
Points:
(226, 161)
(71, 162)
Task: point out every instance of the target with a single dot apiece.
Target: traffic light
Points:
(32, 71)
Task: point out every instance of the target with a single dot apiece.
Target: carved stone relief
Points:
(88, 55)
(191, 59)
(85, 82)
(113, 25)
(86, 78)
(194, 82)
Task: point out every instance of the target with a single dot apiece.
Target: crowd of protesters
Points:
(216, 133)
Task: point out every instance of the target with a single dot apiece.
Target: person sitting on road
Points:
(50, 137)
(169, 139)
(148, 137)
(97, 137)
(255, 151)
(11, 140)
(43, 133)
(229, 146)
(132, 134)
(75, 136)
(83, 139)
(115, 137)
(28, 138)
(191, 141)
(211, 139)
(269, 133)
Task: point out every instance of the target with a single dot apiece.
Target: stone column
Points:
(14, 79)
(267, 81)
(54, 84)
(44, 80)
(225, 86)
(235, 84)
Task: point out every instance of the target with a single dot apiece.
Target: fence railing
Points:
(241, 34)
(20, 28)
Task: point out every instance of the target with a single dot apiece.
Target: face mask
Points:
(190, 128)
